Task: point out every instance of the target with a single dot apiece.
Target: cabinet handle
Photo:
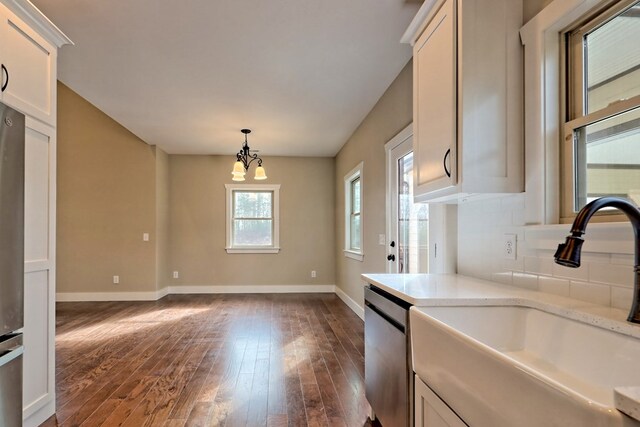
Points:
(6, 82)
(444, 163)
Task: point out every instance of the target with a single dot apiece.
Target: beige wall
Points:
(106, 200)
(532, 7)
(392, 113)
(197, 217)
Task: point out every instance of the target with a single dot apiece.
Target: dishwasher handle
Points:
(388, 304)
(386, 317)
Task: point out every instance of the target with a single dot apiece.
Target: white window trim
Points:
(275, 248)
(543, 79)
(350, 176)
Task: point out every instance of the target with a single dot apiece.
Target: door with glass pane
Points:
(408, 222)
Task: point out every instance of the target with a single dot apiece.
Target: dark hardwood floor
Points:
(211, 360)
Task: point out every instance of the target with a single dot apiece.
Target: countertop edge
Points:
(627, 400)
(455, 290)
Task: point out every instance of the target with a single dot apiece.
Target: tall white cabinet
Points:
(28, 54)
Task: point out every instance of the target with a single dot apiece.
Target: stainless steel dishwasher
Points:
(387, 358)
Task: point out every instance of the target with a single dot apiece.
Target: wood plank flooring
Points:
(211, 360)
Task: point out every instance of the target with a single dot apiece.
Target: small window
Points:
(252, 218)
(601, 152)
(353, 213)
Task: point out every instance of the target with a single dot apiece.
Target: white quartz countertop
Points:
(424, 290)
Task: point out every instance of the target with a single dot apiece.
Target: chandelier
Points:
(244, 160)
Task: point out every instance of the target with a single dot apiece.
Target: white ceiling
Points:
(188, 75)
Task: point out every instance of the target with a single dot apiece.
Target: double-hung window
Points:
(252, 218)
(601, 149)
(353, 213)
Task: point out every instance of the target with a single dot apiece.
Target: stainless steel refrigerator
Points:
(11, 264)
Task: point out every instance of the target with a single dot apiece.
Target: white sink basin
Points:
(519, 366)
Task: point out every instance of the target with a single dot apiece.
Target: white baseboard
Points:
(40, 415)
(255, 289)
(354, 306)
(156, 295)
(110, 296)
(206, 289)
(163, 292)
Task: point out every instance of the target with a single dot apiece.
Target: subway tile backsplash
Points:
(603, 278)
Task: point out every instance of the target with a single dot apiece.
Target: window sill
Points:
(603, 237)
(358, 256)
(252, 250)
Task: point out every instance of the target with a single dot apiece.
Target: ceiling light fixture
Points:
(244, 160)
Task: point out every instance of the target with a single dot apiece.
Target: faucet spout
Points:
(568, 253)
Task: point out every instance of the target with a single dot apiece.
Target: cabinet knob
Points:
(391, 257)
(444, 163)
(5, 72)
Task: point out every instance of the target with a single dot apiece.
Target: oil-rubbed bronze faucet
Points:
(568, 253)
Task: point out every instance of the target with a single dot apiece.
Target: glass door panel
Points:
(413, 223)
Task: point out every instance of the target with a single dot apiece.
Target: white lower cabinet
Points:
(430, 410)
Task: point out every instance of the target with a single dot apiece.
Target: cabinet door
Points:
(431, 411)
(435, 106)
(39, 268)
(30, 69)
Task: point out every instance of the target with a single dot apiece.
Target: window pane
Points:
(252, 232)
(608, 158)
(355, 195)
(413, 223)
(612, 58)
(252, 204)
(355, 232)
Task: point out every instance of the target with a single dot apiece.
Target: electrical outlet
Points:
(145, 237)
(313, 274)
(382, 239)
(116, 280)
(510, 246)
(176, 275)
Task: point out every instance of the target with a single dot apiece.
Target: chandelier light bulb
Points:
(238, 168)
(260, 174)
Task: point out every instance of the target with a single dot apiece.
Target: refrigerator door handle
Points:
(11, 355)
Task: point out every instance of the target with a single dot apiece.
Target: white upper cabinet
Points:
(28, 60)
(434, 78)
(468, 100)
